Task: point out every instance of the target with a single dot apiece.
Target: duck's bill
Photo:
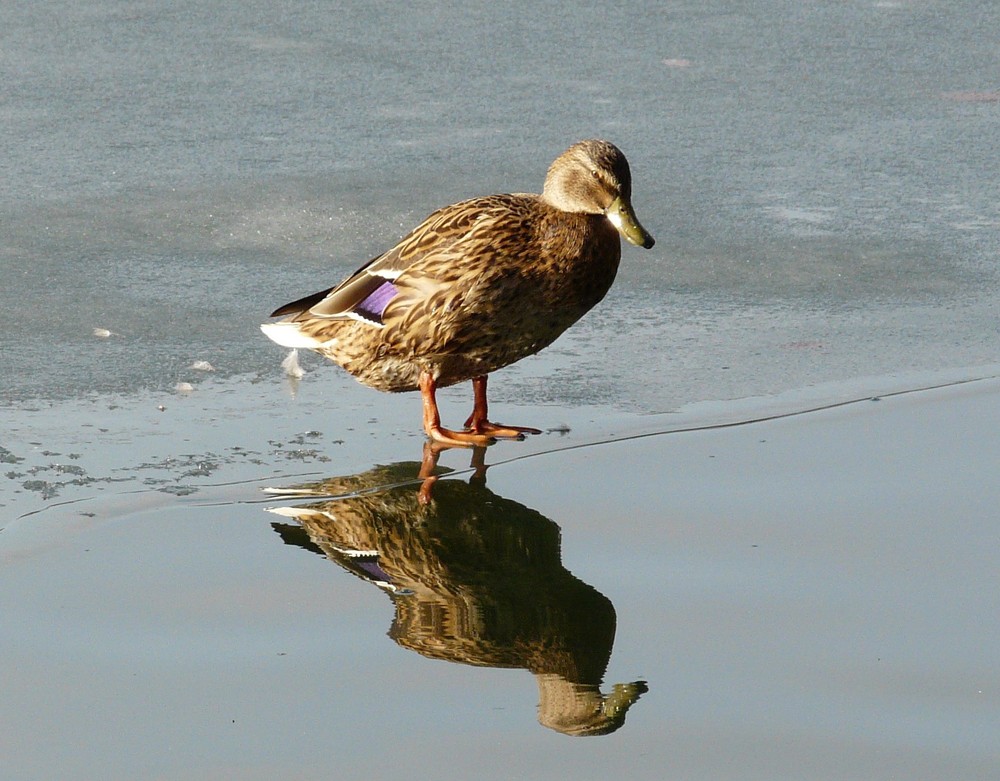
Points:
(623, 218)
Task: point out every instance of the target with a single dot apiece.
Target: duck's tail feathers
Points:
(287, 334)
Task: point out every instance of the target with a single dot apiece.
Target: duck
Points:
(477, 286)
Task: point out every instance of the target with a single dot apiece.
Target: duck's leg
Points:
(479, 422)
(432, 420)
(428, 467)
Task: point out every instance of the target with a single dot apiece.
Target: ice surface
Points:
(825, 200)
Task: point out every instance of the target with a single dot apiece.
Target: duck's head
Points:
(593, 177)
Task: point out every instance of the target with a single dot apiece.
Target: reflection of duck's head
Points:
(475, 578)
(583, 711)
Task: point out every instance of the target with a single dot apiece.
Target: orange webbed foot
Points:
(479, 423)
(498, 430)
(445, 437)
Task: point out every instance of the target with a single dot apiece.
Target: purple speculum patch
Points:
(375, 302)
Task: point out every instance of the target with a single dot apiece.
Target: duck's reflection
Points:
(475, 578)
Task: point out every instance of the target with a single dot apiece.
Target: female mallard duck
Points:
(475, 287)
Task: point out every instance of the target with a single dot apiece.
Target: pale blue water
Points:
(821, 181)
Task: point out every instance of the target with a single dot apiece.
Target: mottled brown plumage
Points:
(476, 286)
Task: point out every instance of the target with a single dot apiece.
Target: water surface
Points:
(808, 596)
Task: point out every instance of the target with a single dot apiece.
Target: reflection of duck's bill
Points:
(621, 215)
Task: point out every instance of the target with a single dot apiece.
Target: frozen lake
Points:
(820, 178)
(822, 183)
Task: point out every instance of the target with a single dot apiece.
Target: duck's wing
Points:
(448, 234)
